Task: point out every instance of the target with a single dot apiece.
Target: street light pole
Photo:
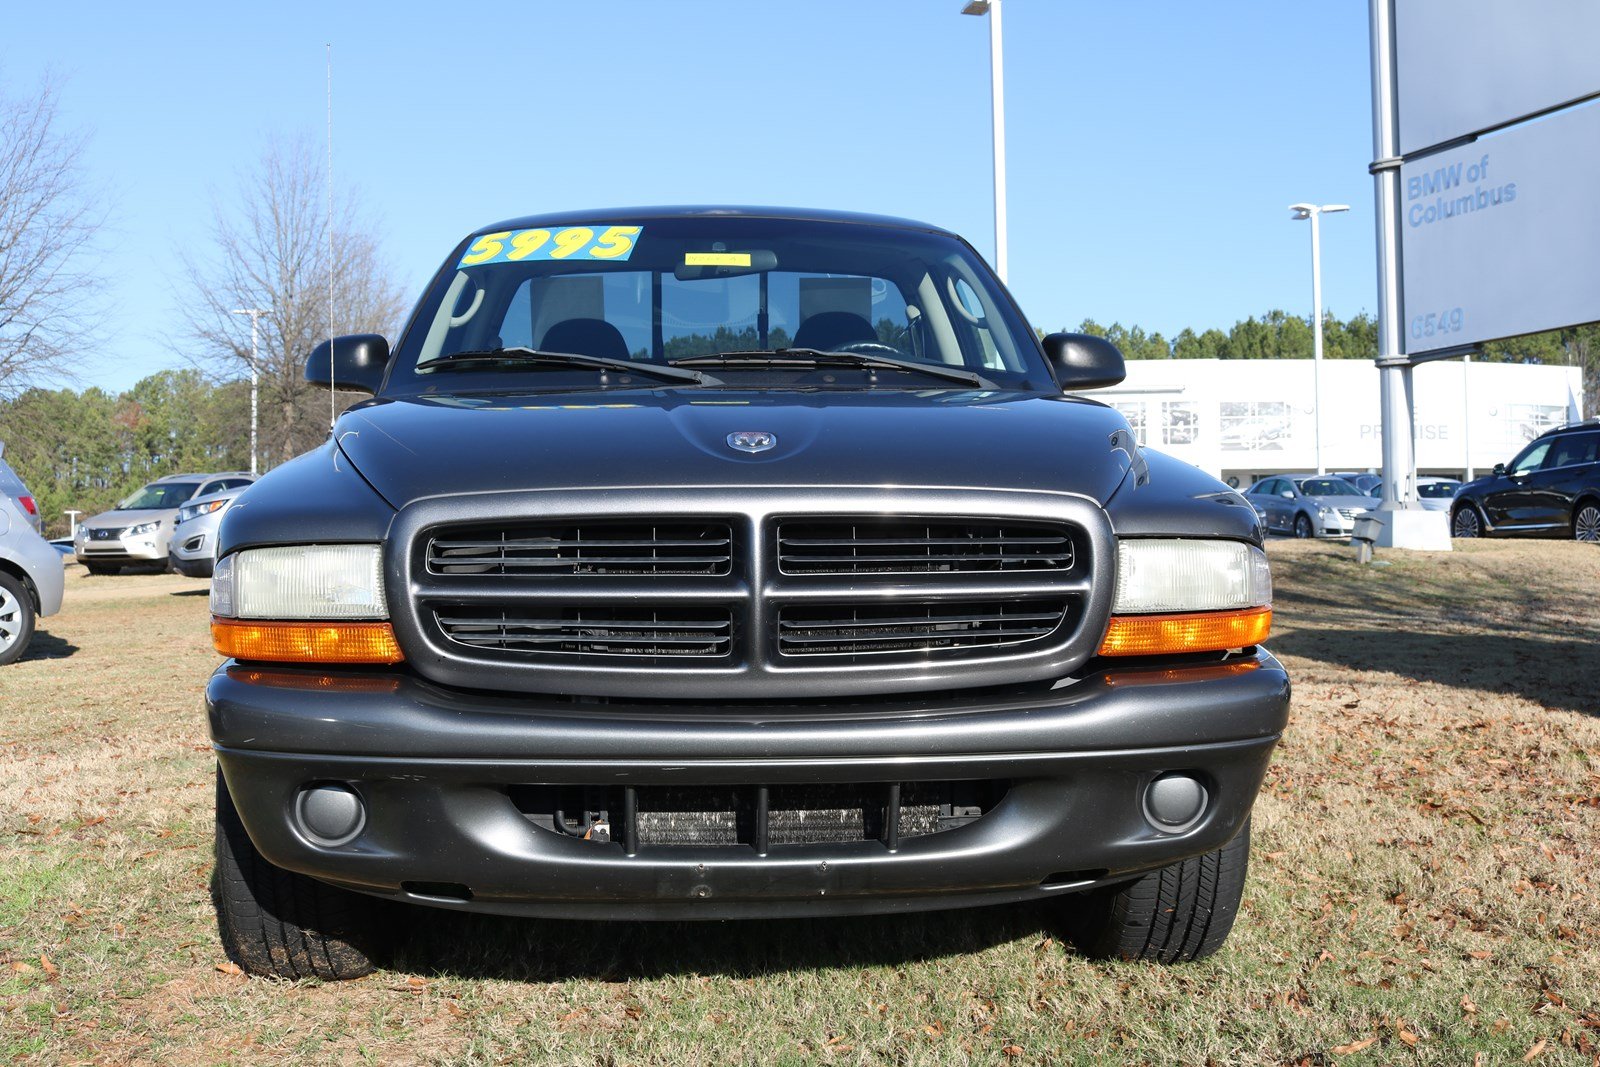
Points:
(997, 100)
(255, 315)
(1313, 212)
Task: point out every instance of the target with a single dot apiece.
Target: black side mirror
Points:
(356, 362)
(1500, 470)
(1083, 361)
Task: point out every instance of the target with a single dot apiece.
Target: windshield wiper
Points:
(536, 357)
(817, 357)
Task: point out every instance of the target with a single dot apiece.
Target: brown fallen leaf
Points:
(1012, 1050)
(1534, 1051)
(1467, 1006)
(19, 966)
(1480, 955)
(229, 967)
(49, 968)
(1354, 1046)
(1408, 1037)
(96, 821)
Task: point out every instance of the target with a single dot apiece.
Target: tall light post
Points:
(255, 316)
(997, 99)
(1313, 212)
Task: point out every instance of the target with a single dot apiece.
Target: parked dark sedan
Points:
(1551, 489)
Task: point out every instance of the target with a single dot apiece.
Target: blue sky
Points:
(1153, 144)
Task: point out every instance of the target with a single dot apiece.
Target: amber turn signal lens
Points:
(306, 642)
(1203, 631)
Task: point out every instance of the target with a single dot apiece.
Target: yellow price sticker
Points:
(615, 243)
(716, 259)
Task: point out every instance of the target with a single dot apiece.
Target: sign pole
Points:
(1403, 525)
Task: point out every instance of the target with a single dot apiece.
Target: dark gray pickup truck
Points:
(708, 563)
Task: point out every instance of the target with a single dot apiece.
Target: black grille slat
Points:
(920, 546)
(851, 629)
(668, 632)
(602, 546)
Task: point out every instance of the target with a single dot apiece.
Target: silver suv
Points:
(139, 529)
(30, 578)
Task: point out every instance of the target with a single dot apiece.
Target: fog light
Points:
(1175, 802)
(329, 814)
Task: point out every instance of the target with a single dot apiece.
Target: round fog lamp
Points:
(1173, 803)
(329, 814)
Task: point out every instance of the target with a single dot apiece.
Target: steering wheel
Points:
(870, 348)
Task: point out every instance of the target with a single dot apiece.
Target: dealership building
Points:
(1241, 419)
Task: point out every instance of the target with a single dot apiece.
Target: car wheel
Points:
(1466, 522)
(279, 924)
(16, 618)
(1178, 913)
(103, 569)
(1302, 526)
(1586, 523)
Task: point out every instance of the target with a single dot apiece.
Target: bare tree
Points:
(270, 250)
(46, 219)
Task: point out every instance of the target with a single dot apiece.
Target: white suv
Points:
(140, 528)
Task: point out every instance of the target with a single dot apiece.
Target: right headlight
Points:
(303, 603)
(1176, 595)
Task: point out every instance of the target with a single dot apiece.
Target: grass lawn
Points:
(1423, 886)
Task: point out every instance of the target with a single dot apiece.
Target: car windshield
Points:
(1438, 490)
(1328, 487)
(159, 495)
(775, 291)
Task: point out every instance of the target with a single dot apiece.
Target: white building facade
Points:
(1241, 419)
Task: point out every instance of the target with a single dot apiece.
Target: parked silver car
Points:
(1434, 494)
(31, 581)
(1309, 506)
(139, 529)
(11, 487)
(194, 540)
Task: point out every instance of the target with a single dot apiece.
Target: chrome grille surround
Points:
(753, 594)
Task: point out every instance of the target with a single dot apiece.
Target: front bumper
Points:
(145, 548)
(435, 769)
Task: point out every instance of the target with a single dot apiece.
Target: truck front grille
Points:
(634, 630)
(590, 548)
(856, 629)
(919, 546)
(750, 593)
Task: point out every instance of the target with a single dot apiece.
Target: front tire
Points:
(279, 924)
(1176, 914)
(1466, 522)
(1586, 522)
(1302, 526)
(16, 618)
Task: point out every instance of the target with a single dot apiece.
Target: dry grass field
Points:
(1424, 886)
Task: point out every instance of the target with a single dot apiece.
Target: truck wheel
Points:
(1172, 915)
(16, 618)
(275, 923)
(1302, 526)
(1465, 522)
(1586, 523)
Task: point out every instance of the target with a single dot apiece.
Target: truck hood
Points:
(411, 448)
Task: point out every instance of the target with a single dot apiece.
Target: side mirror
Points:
(1500, 469)
(1287, 494)
(1083, 361)
(356, 362)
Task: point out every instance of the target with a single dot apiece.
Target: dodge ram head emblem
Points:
(752, 440)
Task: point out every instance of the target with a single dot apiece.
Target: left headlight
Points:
(303, 603)
(194, 511)
(142, 528)
(1177, 595)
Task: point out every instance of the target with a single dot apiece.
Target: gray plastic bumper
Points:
(434, 766)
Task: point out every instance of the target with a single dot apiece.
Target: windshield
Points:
(159, 495)
(1328, 487)
(672, 289)
(1438, 490)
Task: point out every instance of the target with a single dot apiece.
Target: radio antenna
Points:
(332, 415)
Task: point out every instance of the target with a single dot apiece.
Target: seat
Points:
(828, 330)
(585, 337)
